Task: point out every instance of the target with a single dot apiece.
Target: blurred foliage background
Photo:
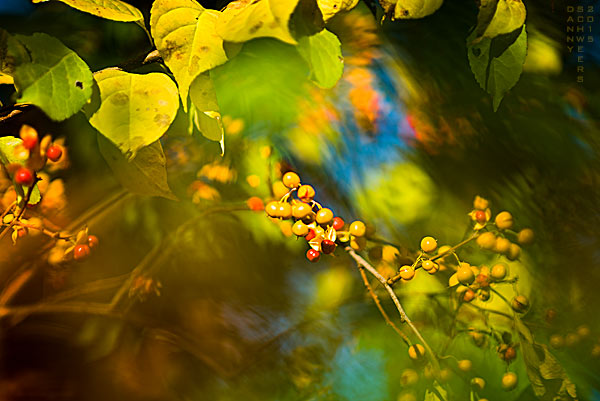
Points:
(404, 141)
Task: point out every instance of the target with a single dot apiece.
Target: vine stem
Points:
(403, 316)
(361, 269)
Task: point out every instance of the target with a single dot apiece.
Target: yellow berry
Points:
(502, 245)
(596, 351)
(285, 210)
(279, 190)
(389, 253)
(291, 179)
(272, 208)
(504, 220)
(487, 240)
(525, 236)
(583, 331)
(520, 303)
(509, 381)
(557, 341)
(358, 243)
(416, 351)
(465, 365)
(513, 252)
(429, 266)
(428, 244)
(498, 271)
(324, 216)
(306, 193)
(409, 377)
(357, 228)
(301, 210)
(407, 272)
(478, 383)
(300, 229)
(465, 275)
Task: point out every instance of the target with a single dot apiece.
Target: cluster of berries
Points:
(34, 152)
(78, 248)
(317, 225)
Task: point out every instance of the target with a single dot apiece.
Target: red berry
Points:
(254, 203)
(29, 137)
(92, 241)
(24, 176)
(81, 252)
(311, 234)
(480, 216)
(338, 223)
(510, 354)
(54, 153)
(313, 255)
(327, 246)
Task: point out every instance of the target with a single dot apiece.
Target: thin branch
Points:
(403, 317)
(397, 277)
(380, 307)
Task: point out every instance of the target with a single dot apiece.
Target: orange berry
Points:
(291, 179)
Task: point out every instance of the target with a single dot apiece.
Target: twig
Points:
(403, 317)
(380, 307)
(397, 277)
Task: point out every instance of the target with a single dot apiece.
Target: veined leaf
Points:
(507, 16)
(244, 20)
(207, 117)
(323, 54)
(548, 378)
(49, 75)
(497, 63)
(329, 8)
(135, 109)
(184, 34)
(145, 174)
(115, 10)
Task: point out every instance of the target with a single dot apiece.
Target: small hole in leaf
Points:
(79, 84)
(476, 51)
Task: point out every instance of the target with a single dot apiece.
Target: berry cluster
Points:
(76, 248)
(318, 225)
(33, 154)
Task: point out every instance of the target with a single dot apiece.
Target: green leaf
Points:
(329, 8)
(184, 34)
(145, 174)
(323, 53)
(549, 380)
(115, 10)
(135, 109)
(8, 145)
(497, 63)
(49, 75)
(498, 17)
(410, 9)
(244, 20)
(207, 117)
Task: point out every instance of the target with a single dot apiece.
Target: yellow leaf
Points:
(411, 9)
(243, 20)
(184, 34)
(207, 117)
(6, 79)
(115, 10)
(509, 16)
(329, 8)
